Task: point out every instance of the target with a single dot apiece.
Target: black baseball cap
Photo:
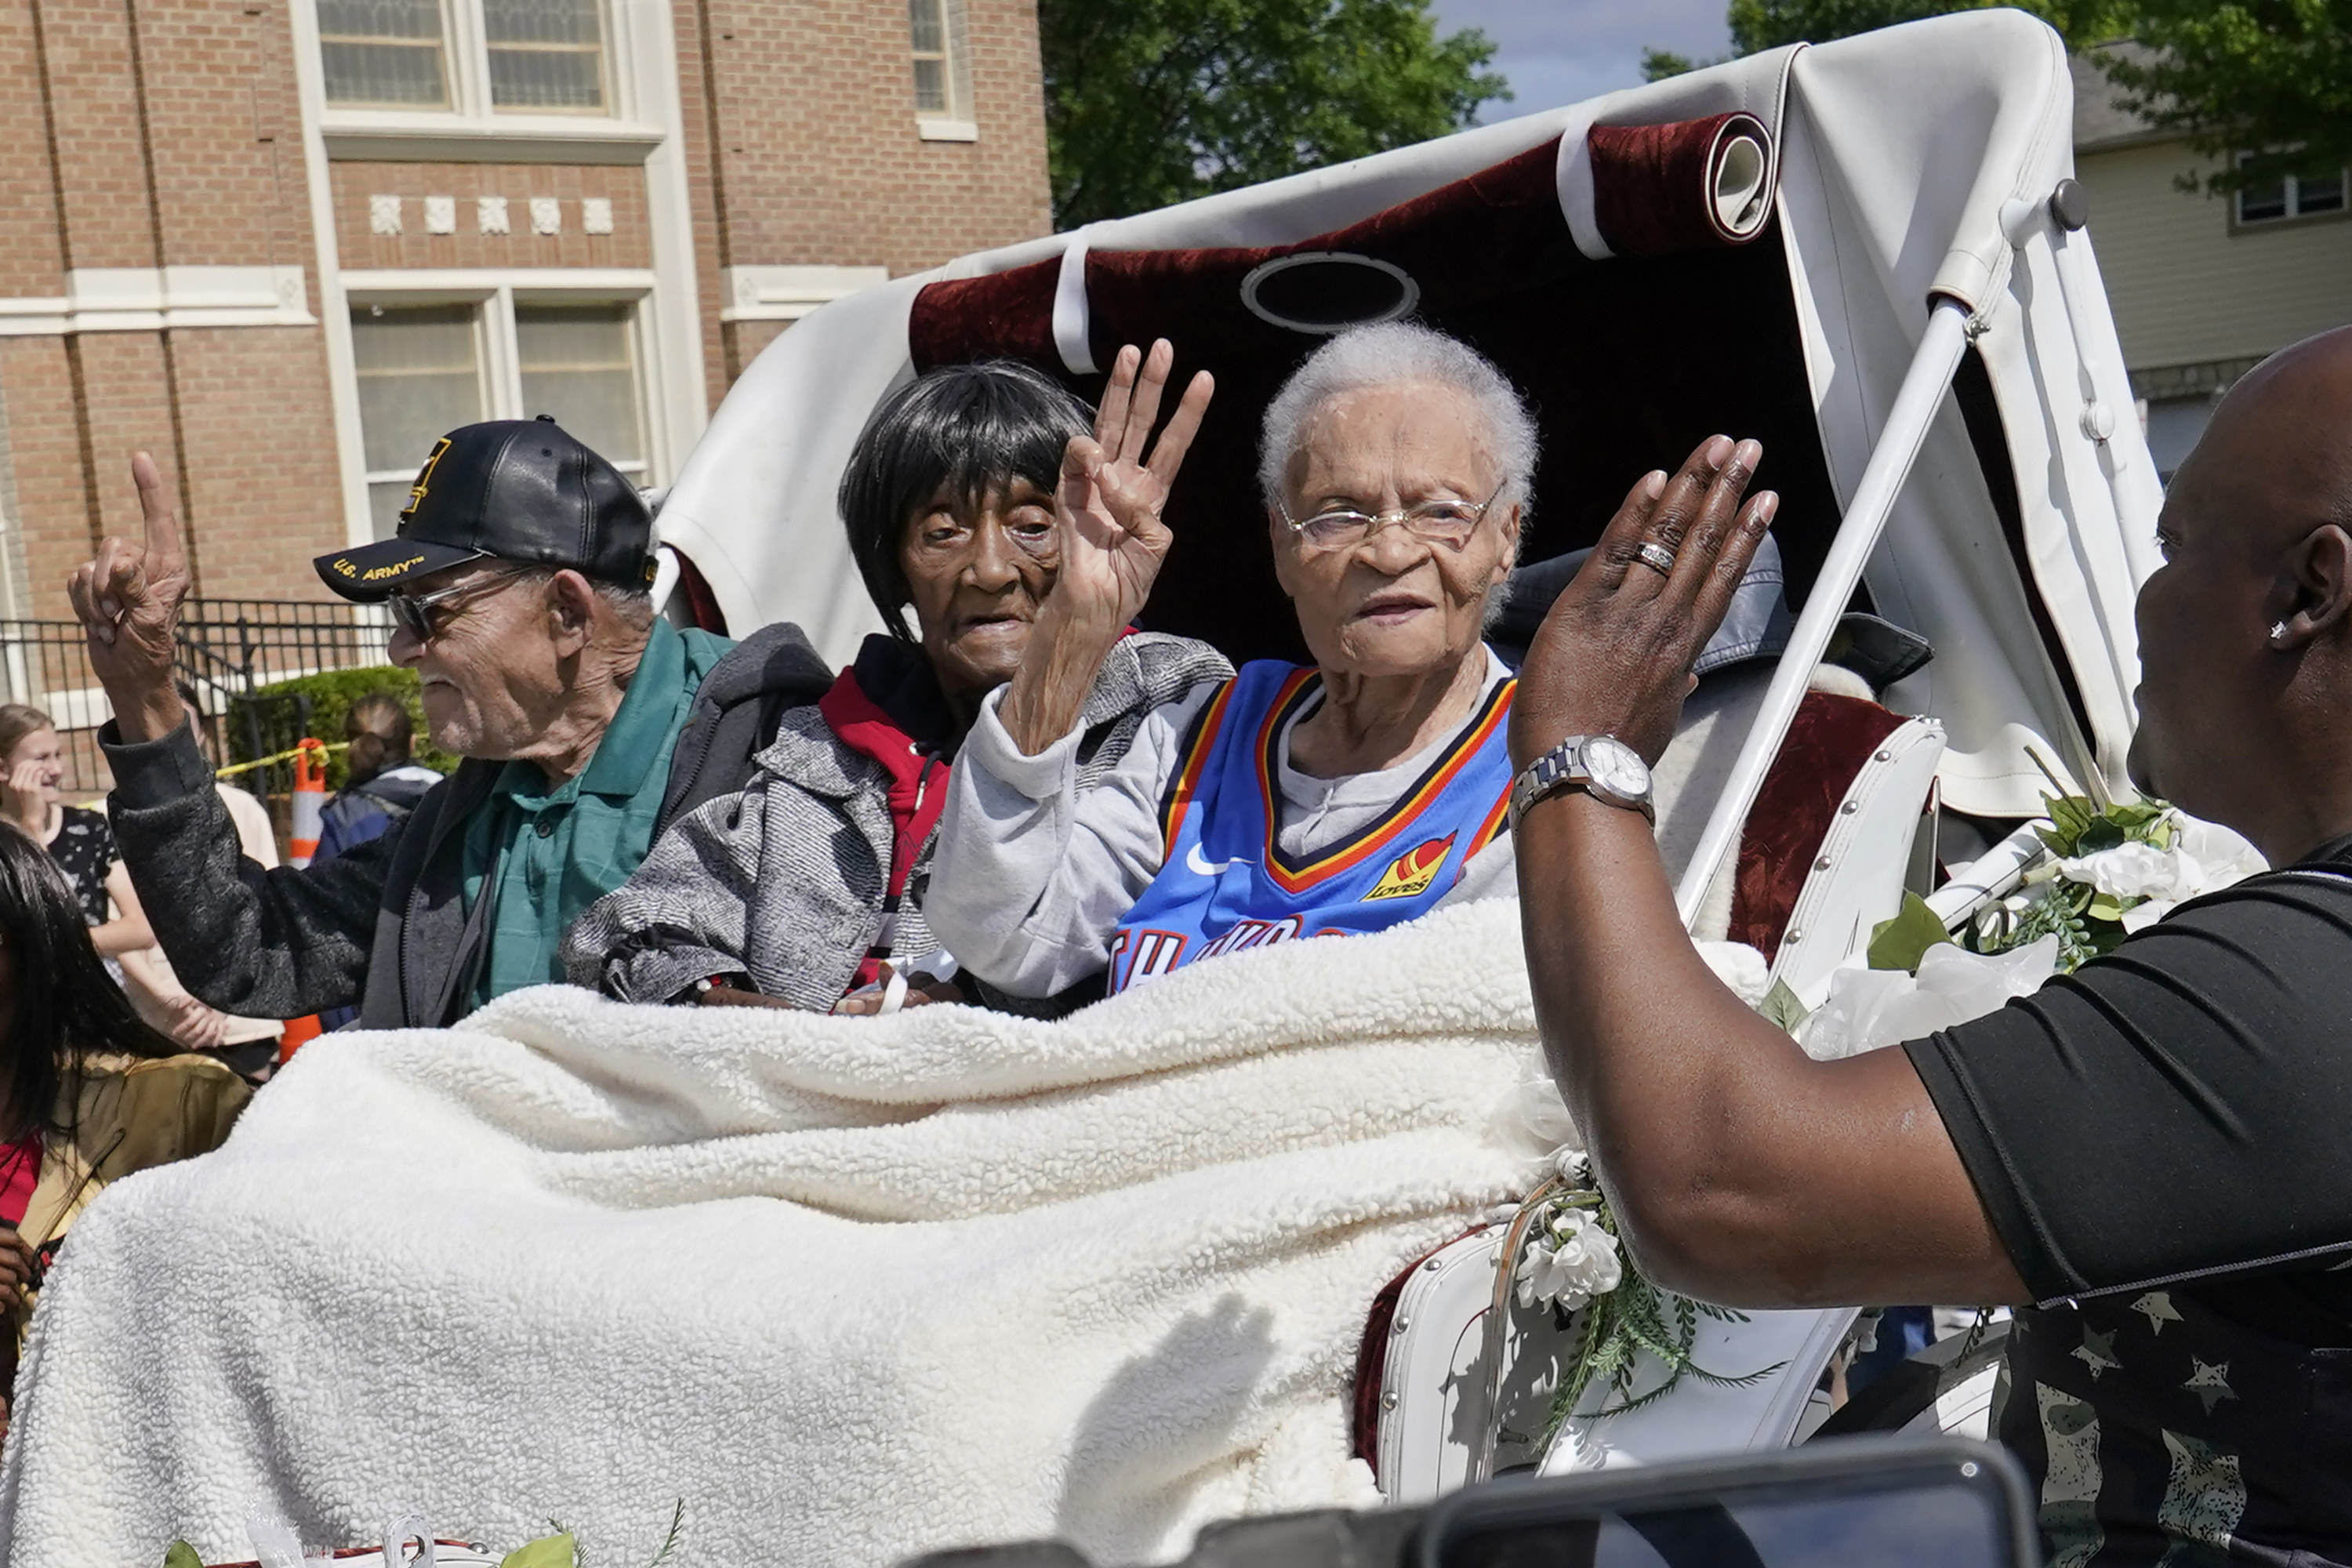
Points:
(517, 490)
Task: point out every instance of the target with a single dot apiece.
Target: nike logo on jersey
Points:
(1201, 865)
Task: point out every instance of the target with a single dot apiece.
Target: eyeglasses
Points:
(1448, 523)
(417, 613)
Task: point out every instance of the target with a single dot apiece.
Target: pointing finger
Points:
(155, 505)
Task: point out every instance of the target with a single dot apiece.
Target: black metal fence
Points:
(230, 650)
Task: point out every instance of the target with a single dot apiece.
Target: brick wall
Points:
(811, 155)
(174, 145)
(168, 132)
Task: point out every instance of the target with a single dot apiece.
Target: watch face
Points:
(1616, 767)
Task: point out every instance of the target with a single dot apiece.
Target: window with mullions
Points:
(546, 56)
(384, 53)
(2309, 193)
(419, 378)
(943, 55)
(577, 364)
(532, 57)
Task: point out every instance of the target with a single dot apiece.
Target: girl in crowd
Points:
(31, 767)
(799, 889)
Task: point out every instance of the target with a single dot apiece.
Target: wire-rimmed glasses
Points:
(1443, 522)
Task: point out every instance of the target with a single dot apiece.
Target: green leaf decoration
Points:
(547, 1551)
(1781, 1009)
(179, 1554)
(1903, 941)
(2101, 834)
(1614, 1337)
(669, 1541)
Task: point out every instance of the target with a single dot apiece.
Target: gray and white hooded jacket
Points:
(786, 880)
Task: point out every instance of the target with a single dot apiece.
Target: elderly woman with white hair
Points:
(1333, 798)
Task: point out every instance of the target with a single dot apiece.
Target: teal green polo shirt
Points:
(557, 850)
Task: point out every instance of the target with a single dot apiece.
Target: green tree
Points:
(1768, 24)
(2272, 78)
(1153, 102)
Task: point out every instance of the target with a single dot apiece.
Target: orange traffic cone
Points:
(298, 1033)
(309, 800)
(301, 843)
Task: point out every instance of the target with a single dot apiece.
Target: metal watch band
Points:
(1556, 771)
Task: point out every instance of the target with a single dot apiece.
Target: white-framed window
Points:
(419, 369)
(500, 56)
(384, 53)
(942, 62)
(426, 366)
(579, 363)
(2310, 193)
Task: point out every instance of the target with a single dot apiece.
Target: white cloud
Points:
(1563, 51)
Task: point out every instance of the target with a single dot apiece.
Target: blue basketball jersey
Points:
(1226, 884)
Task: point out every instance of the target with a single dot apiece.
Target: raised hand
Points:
(128, 597)
(1110, 497)
(1613, 657)
(1112, 540)
(24, 795)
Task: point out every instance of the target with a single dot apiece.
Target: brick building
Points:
(285, 243)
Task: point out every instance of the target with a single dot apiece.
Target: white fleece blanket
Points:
(853, 1289)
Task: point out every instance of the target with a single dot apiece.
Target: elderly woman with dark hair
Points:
(1336, 797)
(804, 885)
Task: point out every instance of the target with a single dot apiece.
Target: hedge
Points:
(330, 694)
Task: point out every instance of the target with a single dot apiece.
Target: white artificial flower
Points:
(1868, 1008)
(1575, 1261)
(2132, 871)
(2211, 856)
(2147, 912)
(1531, 1120)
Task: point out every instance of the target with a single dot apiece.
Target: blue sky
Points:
(1558, 51)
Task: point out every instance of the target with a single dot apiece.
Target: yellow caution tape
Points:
(285, 756)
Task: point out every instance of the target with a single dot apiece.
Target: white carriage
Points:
(1869, 254)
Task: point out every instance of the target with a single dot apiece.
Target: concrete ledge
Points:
(788, 293)
(151, 298)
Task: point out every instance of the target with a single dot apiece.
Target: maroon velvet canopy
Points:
(1628, 361)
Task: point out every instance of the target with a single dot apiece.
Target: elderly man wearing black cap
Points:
(519, 586)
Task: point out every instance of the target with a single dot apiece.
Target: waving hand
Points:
(1107, 511)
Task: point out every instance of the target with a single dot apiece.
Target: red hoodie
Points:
(919, 793)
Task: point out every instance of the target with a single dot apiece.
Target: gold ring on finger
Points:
(1656, 557)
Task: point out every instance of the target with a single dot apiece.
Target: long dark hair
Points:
(971, 428)
(66, 1005)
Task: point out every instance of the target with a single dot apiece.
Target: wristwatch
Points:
(1602, 766)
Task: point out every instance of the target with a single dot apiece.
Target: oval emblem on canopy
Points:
(1329, 291)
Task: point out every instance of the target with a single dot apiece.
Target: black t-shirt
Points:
(84, 851)
(2163, 1140)
(2178, 1110)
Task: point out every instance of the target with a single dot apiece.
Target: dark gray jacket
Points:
(785, 883)
(384, 926)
